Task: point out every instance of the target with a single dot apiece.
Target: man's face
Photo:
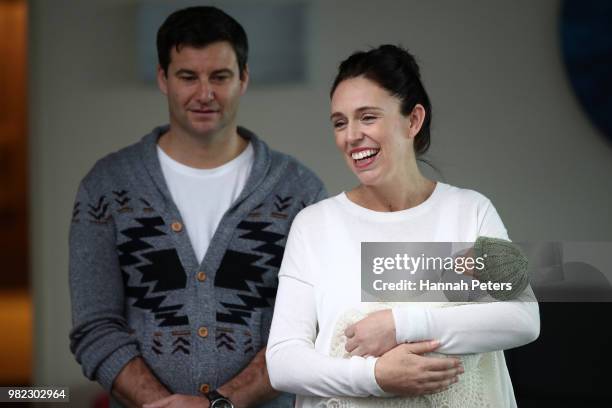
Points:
(203, 87)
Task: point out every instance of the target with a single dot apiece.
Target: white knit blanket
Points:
(469, 391)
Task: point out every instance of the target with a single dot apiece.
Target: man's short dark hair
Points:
(199, 27)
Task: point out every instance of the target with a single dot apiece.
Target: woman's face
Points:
(371, 133)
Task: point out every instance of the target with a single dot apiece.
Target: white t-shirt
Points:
(319, 282)
(202, 196)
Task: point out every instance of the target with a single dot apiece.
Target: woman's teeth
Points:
(364, 154)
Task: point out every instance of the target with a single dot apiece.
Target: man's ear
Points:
(244, 80)
(162, 80)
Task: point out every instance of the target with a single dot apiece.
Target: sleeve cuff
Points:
(411, 324)
(114, 363)
(364, 376)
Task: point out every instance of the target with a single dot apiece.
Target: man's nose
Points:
(205, 92)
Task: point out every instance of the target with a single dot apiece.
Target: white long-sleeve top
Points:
(320, 279)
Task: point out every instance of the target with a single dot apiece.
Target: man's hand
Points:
(404, 371)
(179, 401)
(373, 335)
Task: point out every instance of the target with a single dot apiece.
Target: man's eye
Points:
(338, 125)
(220, 78)
(188, 78)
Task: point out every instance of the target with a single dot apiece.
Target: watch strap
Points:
(214, 395)
(215, 398)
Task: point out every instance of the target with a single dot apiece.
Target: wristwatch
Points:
(218, 401)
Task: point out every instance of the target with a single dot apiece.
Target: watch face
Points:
(221, 403)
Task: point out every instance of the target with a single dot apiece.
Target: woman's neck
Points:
(393, 196)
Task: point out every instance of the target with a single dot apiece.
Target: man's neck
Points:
(202, 152)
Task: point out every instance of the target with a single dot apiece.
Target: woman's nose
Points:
(354, 133)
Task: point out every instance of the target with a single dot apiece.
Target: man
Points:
(176, 241)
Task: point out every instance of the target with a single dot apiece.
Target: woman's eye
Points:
(368, 118)
(338, 125)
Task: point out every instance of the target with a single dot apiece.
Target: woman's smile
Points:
(364, 157)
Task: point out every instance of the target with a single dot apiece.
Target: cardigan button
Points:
(204, 388)
(176, 226)
(203, 332)
(201, 276)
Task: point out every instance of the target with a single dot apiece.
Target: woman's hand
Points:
(179, 401)
(404, 371)
(373, 335)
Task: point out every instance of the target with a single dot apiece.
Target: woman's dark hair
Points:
(199, 27)
(394, 69)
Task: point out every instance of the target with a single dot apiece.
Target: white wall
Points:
(505, 120)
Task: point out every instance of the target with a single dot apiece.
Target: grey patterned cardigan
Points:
(137, 289)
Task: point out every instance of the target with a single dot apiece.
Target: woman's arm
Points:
(295, 366)
(465, 328)
(293, 363)
(478, 327)
(471, 328)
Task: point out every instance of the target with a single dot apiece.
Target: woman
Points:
(328, 347)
